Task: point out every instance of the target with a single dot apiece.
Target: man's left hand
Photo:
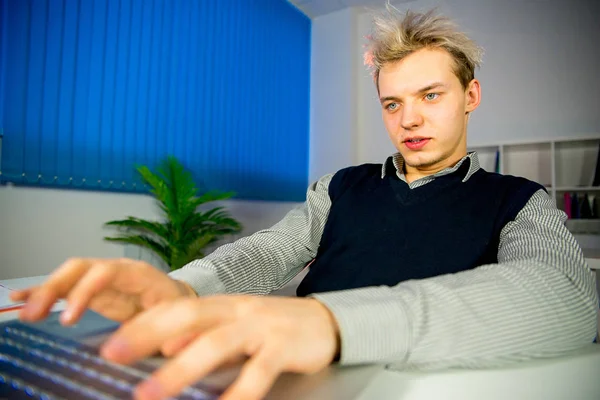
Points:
(277, 335)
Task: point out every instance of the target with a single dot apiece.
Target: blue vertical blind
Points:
(92, 88)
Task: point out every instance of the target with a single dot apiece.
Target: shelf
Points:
(531, 161)
(487, 157)
(578, 189)
(576, 163)
(584, 226)
(586, 137)
(563, 166)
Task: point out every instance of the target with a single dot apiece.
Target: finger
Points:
(146, 333)
(257, 376)
(23, 294)
(38, 305)
(174, 346)
(67, 275)
(201, 357)
(58, 285)
(98, 277)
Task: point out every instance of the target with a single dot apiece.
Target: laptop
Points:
(46, 360)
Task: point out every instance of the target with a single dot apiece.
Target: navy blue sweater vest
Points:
(381, 232)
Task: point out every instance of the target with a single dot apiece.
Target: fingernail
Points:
(149, 390)
(66, 316)
(115, 348)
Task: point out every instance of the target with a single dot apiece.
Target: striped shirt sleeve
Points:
(267, 260)
(538, 300)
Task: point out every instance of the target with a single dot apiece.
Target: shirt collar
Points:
(398, 163)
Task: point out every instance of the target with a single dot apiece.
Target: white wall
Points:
(539, 77)
(41, 228)
(333, 93)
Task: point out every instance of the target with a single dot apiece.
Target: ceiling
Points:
(315, 8)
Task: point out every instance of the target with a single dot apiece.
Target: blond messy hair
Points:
(396, 35)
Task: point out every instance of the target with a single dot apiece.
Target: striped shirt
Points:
(538, 300)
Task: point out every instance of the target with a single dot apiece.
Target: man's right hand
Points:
(118, 289)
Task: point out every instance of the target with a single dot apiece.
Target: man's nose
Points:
(411, 117)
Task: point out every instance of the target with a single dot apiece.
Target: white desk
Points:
(594, 263)
(573, 377)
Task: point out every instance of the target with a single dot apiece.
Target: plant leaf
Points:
(186, 230)
(132, 223)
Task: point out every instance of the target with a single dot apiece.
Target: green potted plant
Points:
(185, 231)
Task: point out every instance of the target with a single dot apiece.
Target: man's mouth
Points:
(416, 143)
(415, 139)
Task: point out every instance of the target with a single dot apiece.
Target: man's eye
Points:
(431, 96)
(392, 106)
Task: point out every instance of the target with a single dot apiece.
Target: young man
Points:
(425, 260)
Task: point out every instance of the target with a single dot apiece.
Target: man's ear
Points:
(472, 96)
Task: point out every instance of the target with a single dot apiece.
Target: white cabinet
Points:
(565, 166)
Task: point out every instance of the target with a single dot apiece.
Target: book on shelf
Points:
(567, 200)
(596, 181)
(581, 206)
(575, 206)
(585, 208)
(497, 162)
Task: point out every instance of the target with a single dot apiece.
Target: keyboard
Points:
(39, 365)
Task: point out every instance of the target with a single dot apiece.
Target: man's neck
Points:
(412, 174)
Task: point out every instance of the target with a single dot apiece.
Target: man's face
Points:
(424, 109)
